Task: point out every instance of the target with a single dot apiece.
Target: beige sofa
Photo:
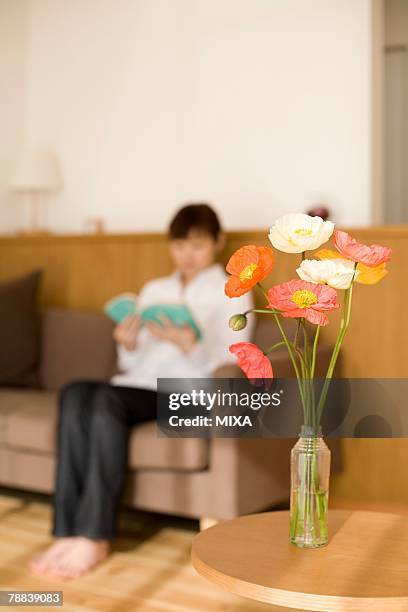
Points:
(199, 478)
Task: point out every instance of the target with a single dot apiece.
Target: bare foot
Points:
(80, 557)
(41, 562)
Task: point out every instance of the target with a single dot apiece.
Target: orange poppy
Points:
(248, 266)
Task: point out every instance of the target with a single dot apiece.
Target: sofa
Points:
(218, 478)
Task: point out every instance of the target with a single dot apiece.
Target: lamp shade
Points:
(37, 170)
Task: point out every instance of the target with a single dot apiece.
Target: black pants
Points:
(93, 431)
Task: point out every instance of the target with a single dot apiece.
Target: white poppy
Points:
(296, 232)
(337, 273)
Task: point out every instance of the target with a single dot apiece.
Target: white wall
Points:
(260, 106)
(12, 101)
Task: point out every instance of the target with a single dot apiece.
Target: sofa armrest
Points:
(248, 474)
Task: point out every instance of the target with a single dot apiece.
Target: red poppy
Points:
(252, 361)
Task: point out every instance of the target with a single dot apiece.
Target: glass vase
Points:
(309, 495)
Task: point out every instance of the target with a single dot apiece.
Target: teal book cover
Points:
(125, 304)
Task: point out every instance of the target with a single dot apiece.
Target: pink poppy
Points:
(371, 256)
(252, 360)
(298, 298)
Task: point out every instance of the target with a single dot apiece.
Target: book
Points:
(121, 306)
(125, 304)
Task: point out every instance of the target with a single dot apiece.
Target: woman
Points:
(95, 418)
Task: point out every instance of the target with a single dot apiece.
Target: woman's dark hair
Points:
(200, 217)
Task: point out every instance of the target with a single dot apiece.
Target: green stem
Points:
(283, 343)
(288, 345)
(316, 340)
(306, 343)
(306, 381)
(297, 332)
(312, 373)
(274, 346)
(264, 291)
(292, 357)
(264, 310)
(344, 323)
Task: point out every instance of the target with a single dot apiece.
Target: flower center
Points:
(303, 232)
(248, 272)
(304, 298)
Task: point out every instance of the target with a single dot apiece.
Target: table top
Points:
(363, 567)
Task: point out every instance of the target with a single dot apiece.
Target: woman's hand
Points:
(125, 333)
(184, 336)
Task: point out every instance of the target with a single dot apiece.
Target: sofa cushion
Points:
(28, 421)
(19, 333)
(76, 345)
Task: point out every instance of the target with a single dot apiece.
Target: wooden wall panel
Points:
(83, 271)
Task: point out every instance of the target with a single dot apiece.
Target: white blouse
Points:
(157, 358)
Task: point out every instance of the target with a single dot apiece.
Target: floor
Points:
(149, 570)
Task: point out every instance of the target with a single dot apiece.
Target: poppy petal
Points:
(241, 258)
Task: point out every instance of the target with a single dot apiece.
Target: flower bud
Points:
(238, 322)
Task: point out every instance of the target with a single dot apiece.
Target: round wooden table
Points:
(363, 567)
